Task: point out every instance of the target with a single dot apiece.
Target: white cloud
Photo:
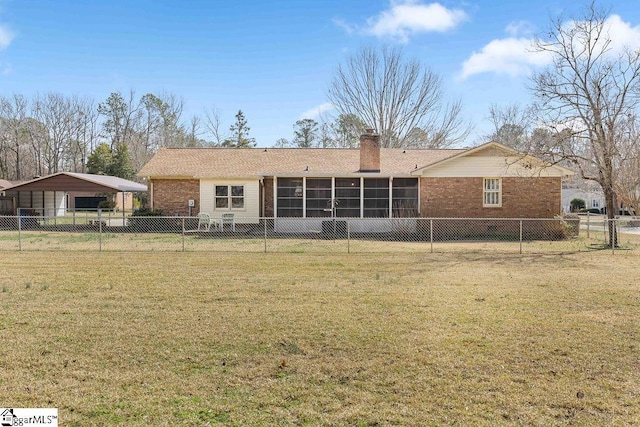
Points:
(6, 37)
(622, 34)
(515, 56)
(511, 56)
(519, 28)
(315, 112)
(404, 18)
(348, 28)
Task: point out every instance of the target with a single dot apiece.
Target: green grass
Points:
(308, 339)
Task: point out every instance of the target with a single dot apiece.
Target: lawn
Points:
(121, 338)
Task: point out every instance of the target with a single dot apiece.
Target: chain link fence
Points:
(99, 231)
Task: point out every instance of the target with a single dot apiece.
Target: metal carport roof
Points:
(72, 181)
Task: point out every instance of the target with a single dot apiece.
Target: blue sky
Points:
(274, 60)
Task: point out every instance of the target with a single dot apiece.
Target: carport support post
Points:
(520, 237)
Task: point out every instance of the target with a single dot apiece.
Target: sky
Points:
(275, 60)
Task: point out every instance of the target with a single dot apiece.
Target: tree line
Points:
(54, 132)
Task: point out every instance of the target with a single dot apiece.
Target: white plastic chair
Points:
(205, 221)
(227, 218)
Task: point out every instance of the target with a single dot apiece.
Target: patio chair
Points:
(227, 218)
(205, 221)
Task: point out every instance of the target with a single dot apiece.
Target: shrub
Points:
(148, 212)
(107, 204)
(577, 204)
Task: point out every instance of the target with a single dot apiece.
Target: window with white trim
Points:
(492, 196)
(229, 197)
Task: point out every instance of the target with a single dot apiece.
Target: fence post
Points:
(99, 230)
(348, 237)
(182, 234)
(520, 237)
(588, 223)
(431, 233)
(265, 234)
(19, 231)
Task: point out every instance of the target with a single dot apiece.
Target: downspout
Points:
(150, 191)
(275, 196)
(390, 197)
(262, 197)
(419, 199)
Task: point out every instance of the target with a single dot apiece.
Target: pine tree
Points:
(239, 134)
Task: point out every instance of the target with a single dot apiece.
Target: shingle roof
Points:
(256, 162)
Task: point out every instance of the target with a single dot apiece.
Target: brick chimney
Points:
(370, 151)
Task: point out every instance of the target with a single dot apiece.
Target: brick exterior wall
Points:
(530, 197)
(268, 198)
(172, 196)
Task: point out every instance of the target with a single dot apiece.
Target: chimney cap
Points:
(370, 131)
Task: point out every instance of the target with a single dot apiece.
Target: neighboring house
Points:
(593, 198)
(488, 181)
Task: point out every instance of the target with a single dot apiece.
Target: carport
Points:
(47, 195)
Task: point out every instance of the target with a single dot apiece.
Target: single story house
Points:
(488, 181)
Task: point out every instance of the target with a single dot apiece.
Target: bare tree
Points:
(212, 124)
(193, 134)
(172, 131)
(512, 124)
(60, 116)
(397, 96)
(627, 170)
(590, 89)
(13, 113)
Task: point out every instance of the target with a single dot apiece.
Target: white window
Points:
(492, 196)
(229, 197)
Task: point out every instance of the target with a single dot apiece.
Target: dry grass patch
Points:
(378, 339)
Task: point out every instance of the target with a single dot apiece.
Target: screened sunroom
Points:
(366, 201)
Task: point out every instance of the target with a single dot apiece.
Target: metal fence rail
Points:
(106, 232)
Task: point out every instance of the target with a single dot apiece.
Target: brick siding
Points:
(370, 153)
(268, 198)
(172, 196)
(529, 197)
